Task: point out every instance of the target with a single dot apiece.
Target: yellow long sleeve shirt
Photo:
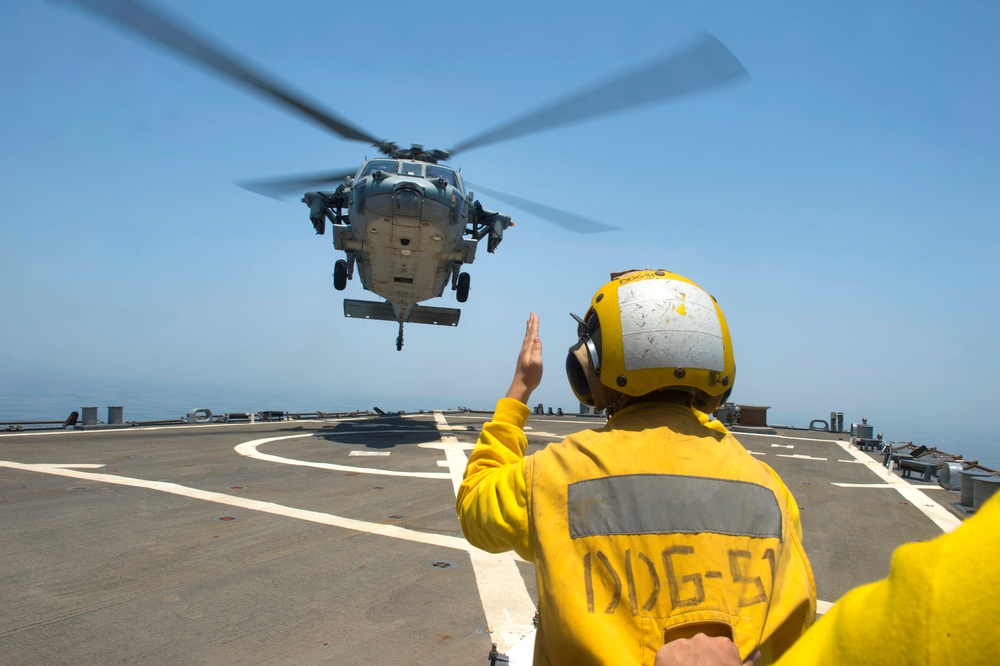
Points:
(939, 605)
(656, 523)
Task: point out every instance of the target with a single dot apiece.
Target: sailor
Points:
(659, 525)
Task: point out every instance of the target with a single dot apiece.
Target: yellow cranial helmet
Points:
(652, 330)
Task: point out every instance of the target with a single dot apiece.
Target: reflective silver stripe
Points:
(671, 504)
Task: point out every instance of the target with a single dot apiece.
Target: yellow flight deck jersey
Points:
(639, 531)
(939, 605)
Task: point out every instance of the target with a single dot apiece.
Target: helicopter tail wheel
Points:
(463, 288)
(399, 338)
(340, 275)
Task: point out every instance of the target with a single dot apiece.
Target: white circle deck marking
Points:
(249, 449)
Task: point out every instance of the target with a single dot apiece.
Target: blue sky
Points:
(841, 205)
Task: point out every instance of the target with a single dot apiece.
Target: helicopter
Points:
(407, 223)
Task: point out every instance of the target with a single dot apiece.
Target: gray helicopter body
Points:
(406, 227)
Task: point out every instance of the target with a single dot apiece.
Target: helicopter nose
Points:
(408, 200)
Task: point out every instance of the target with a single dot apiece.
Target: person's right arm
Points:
(938, 606)
(492, 501)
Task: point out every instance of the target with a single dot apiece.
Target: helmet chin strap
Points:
(618, 402)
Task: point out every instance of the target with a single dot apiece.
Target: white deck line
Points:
(937, 513)
(737, 435)
(882, 485)
(249, 504)
(249, 449)
(798, 456)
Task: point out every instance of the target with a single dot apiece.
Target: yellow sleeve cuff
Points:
(511, 411)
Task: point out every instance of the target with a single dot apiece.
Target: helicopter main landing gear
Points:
(340, 275)
(462, 288)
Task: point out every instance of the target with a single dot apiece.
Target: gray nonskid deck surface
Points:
(323, 542)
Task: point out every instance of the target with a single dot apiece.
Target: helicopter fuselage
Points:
(406, 230)
(407, 226)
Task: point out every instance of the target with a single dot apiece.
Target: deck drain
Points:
(395, 516)
(77, 488)
(227, 519)
(377, 487)
(234, 487)
(442, 564)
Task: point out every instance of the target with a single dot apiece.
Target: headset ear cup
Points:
(577, 376)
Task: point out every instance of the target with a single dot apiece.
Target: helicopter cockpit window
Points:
(411, 169)
(434, 172)
(385, 166)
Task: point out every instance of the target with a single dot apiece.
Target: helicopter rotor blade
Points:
(185, 41)
(706, 64)
(280, 188)
(571, 221)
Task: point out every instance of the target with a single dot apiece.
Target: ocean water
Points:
(47, 397)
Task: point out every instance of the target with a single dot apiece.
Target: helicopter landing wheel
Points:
(463, 288)
(340, 275)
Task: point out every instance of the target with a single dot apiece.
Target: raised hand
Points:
(528, 374)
